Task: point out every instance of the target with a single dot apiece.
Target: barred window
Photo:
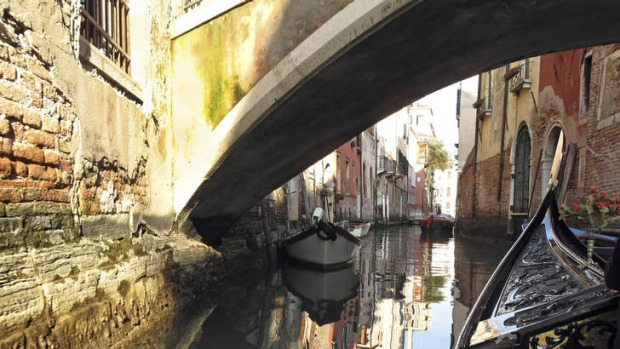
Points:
(105, 26)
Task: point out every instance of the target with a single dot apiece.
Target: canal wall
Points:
(481, 207)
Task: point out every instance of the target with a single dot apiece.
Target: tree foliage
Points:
(438, 158)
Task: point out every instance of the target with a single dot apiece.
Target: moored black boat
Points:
(437, 224)
(545, 293)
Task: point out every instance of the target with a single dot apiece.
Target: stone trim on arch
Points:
(550, 142)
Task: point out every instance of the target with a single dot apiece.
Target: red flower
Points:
(574, 206)
(602, 204)
(603, 194)
(594, 195)
(592, 189)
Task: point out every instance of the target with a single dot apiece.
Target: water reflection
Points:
(404, 290)
(324, 295)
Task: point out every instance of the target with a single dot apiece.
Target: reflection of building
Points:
(340, 334)
(365, 264)
(409, 276)
(418, 317)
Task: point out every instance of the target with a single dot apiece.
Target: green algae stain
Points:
(219, 41)
(213, 61)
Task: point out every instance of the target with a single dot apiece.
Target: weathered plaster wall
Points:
(562, 73)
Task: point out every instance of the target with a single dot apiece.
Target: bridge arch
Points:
(292, 117)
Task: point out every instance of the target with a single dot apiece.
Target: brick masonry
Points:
(40, 177)
(36, 164)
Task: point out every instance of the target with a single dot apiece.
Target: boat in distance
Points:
(359, 229)
(437, 223)
(546, 292)
(323, 245)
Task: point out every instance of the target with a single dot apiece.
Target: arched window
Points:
(522, 172)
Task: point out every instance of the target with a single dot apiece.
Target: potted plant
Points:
(591, 214)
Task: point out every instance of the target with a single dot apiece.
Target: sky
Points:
(443, 103)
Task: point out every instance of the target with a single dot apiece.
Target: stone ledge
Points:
(99, 227)
(47, 292)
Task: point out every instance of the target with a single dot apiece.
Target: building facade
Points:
(522, 108)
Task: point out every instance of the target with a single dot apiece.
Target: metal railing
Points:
(105, 25)
(391, 167)
(521, 78)
(381, 164)
(483, 107)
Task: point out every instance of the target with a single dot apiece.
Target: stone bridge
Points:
(269, 87)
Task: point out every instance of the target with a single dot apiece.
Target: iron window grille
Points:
(105, 25)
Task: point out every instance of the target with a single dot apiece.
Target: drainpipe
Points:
(475, 168)
(376, 181)
(501, 150)
(363, 180)
(474, 200)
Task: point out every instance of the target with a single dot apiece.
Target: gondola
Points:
(545, 293)
(603, 244)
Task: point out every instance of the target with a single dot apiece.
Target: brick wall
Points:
(487, 186)
(42, 185)
(465, 204)
(36, 167)
(603, 154)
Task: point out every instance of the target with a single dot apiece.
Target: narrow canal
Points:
(404, 290)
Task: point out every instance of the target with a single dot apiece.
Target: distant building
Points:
(466, 121)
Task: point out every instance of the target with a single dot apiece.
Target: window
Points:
(347, 176)
(487, 94)
(422, 153)
(105, 26)
(338, 174)
(364, 182)
(105, 43)
(354, 176)
(608, 102)
(586, 78)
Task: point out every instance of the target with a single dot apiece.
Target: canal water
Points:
(405, 289)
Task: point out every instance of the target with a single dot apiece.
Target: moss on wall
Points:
(214, 63)
(222, 88)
